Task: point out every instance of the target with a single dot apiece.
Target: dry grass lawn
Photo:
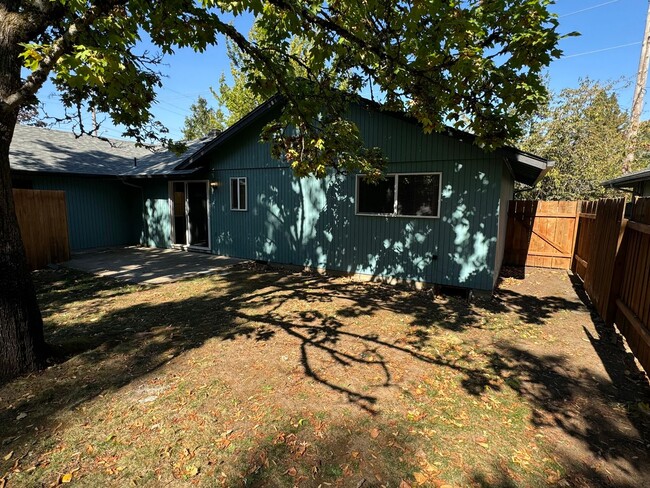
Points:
(262, 377)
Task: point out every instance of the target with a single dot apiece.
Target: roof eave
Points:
(627, 181)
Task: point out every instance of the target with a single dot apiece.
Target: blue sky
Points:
(608, 49)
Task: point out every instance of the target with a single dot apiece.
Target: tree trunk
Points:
(22, 346)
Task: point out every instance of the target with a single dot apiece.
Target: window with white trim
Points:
(401, 194)
(238, 191)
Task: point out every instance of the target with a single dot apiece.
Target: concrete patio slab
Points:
(149, 265)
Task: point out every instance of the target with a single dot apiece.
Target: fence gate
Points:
(541, 234)
(43, 222)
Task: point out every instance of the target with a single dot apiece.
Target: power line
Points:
(601, 50)
(589, 8)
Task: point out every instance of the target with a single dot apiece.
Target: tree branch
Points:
(60, 47)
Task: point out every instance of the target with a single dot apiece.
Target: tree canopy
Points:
(583, 131)
(470, 63)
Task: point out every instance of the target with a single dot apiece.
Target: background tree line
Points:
(583, 130)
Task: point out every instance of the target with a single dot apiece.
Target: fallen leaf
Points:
(404, 484)
(420, 478)
(374, 433)
(21, 416)
(8, 456)
(192, 470)
(66, 478)
(293, 472)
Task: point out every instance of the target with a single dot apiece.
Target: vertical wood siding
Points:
(101, 212)
(313, 223)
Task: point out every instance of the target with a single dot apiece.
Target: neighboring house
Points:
(638, 183)
(439, 217)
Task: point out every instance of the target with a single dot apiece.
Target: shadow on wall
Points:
(156, 227)
(310, 222)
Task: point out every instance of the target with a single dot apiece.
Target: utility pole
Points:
(639, 92)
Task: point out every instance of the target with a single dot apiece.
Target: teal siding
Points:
(156, 214)
(313, 223)
(101, 212)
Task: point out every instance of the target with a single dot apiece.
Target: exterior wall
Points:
(156, 213)
(101, 212)
(507, 193)
(311, 222)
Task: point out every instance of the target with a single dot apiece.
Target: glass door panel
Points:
(197, 206)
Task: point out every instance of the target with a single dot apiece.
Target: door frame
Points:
(188, 247)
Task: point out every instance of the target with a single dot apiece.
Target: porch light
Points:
(214, 184)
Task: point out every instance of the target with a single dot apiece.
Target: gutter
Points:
(549, 165)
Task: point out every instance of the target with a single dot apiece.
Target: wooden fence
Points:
(600, 239)
(584, 237)
(541, 234)
(43, 222)
(629, 300)
(609, 253)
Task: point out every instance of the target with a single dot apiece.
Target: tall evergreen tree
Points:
(202, 120)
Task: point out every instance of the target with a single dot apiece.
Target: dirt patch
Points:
(267, 378)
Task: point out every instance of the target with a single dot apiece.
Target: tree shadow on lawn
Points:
(127, 343)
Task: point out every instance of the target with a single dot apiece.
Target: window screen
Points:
(376, 198)
(418, 195)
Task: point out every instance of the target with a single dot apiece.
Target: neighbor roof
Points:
(629, 179)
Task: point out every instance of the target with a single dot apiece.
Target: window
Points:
(238, 193)
(418, 195)
(408, 195)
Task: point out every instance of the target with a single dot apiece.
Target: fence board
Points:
(43, 222)
(630, 294)
(602, 250)
(540, 234)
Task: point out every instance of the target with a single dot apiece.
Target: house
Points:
(438, 217)
(638, 183)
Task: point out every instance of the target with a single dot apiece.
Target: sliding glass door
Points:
(191, 214)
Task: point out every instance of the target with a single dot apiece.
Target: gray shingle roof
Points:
(38, 149)
(164, 162)
(54, 151)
